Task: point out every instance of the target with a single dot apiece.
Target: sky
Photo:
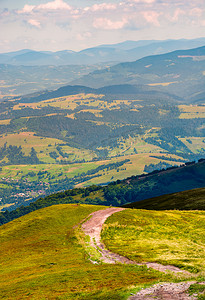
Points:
(78, 24)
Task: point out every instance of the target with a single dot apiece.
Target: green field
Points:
(41, 258)
(168, 237)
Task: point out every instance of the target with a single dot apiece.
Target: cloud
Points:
(26, 9)
(196, 12)
(151, 17)
(177, 13)
(104, 23)
(34, 23)
(143, 1)
(53, 5)
(101, 7)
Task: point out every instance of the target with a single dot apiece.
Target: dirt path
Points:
(165, 291)
(93, 228)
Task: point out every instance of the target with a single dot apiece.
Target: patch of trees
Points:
(168, 158)
(15, 155)
(159, 166)
(60, 151)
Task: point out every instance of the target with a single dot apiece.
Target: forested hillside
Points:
(135, 188)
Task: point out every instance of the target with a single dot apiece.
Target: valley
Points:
(52, 144)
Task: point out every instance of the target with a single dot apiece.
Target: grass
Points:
(40, 258)
(191, 111)
(43, 146)
(187, 200)
(135, 166)
(195, 144)
(197, 289)
(168, 237)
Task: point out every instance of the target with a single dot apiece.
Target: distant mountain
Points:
(178, 72)
(17, 80)
(126, 91)
(125, 51)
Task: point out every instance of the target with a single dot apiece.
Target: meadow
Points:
(167, 237)
(41, 258)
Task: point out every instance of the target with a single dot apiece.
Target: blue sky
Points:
(78, 24)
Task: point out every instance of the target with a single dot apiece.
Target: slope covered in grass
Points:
(168, 237)
(130, 190)
(187, 200)
(41, 258)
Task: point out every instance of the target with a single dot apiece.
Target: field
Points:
(168, 237)
(195, 144)
(44, 146)
(41, 258)
(192, 111)
(74, 134)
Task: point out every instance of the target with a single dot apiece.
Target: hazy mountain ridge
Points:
(176, 72)
(17, 80)
(126, 51)
(125, 91)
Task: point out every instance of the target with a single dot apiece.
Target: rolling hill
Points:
(76, 136)
(21, 80)
(187, 200)
(130, 190)
(46, 255)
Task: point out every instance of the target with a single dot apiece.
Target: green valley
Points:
(83, 139)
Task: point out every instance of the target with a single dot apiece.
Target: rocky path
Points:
(165, 291)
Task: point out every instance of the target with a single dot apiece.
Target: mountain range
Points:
(126, 51)
(179, 72)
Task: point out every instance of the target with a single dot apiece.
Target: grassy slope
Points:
(40, 258)
(169, 237)
(187, 200)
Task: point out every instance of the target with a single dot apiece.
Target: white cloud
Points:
(104, 23)
(34, 23)
(151, 17)
(101, 7)
(53, 5)
(143, 1)
(196, 12)
(26, 9)
(177, 13)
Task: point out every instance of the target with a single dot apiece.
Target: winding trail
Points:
(93, 228)
(165, 291)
